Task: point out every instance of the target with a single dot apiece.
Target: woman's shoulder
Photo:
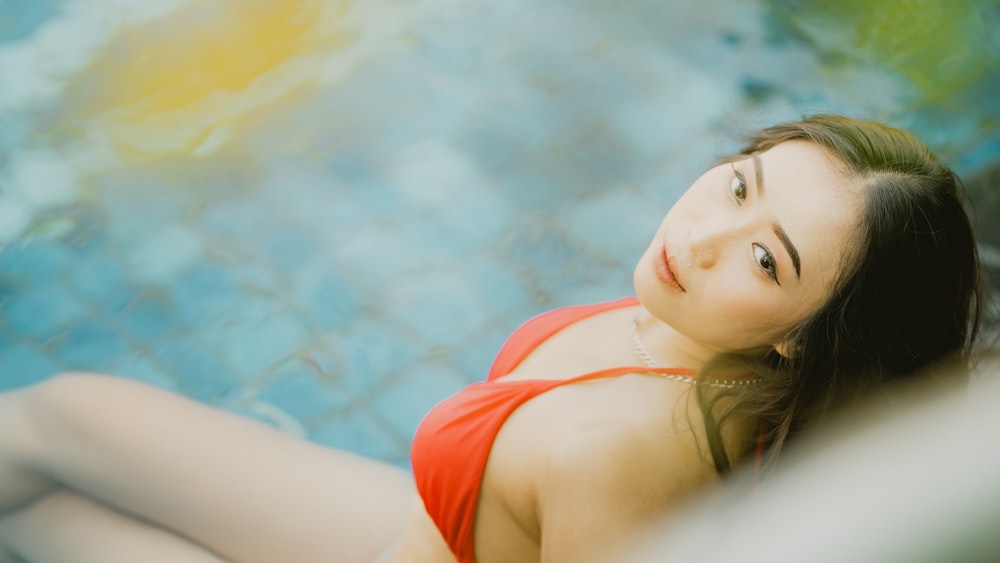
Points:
(587, 458)
(642, 442)
(617, 430)
(603, 481)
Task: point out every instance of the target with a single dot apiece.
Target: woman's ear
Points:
(785, 348)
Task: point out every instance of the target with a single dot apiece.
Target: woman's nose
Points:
(703, 252)
(709, 239)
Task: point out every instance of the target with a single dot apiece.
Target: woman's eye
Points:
(738, 185)
(766, 261)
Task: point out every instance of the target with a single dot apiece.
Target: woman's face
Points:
(751, 248)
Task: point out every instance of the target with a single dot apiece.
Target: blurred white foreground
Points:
(920, 485)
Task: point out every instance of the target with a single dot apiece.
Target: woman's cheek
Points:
(750, 308)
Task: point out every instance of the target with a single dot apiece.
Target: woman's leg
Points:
(240, 488)
(64, 527)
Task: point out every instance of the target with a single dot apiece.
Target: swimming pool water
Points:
(328, 214)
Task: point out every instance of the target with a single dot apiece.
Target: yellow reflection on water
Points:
(185, 83)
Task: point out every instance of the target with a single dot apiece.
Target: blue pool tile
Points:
(604, 286)
(6, 291)
(469, 210)
(89, 345)
(140, 367)
(756, 91)
(411, 246)
(287, 248)
(542, 247)
(359, 250)
(198, 369)
(438, 306)
(248, 272)
(595, 161)
(980, 157)
(21, 365)
(472, 361)
(160, 256)
(352, 170)
(386, 255)
(405, 401)
(101, 279)
(235, 219)
(364, 354)
(13, 133)
(147, 317)
(250, 344)
(593, 287)
(89, 236)
(940, 126)
(21, 18)
(612, 224)
(203, 292)
(378, 199)
(298, 389)
(42, 311)
(331, 206)
(32, 261)
(436, 44)
(500, 288)
(330, 300)
(471, 227)
(433, 173)
(138, 203)
(333, 303)
(493, 149)
(356, 430)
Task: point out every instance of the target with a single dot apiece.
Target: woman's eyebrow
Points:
(779, 231)
(758, 168)
(792, 252)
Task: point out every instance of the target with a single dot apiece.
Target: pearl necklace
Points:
(647, 359)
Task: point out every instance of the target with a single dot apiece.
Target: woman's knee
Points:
(77, 391)
(72, 383)
(44, 413)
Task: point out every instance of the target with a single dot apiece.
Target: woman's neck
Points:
(668, 347)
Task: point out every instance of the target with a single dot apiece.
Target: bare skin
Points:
(158, 477)
(214, 486)
(635, 442)
(80, 482)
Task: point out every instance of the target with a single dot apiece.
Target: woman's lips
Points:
(664, 272)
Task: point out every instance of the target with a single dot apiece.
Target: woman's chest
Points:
(519, 458)
(591, 344)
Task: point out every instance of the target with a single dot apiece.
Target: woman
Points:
(830, 255)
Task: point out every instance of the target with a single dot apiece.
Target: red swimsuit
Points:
(453, 442)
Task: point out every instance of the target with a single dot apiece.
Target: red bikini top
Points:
(453, 442)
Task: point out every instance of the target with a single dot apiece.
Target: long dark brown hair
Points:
(909, 298)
